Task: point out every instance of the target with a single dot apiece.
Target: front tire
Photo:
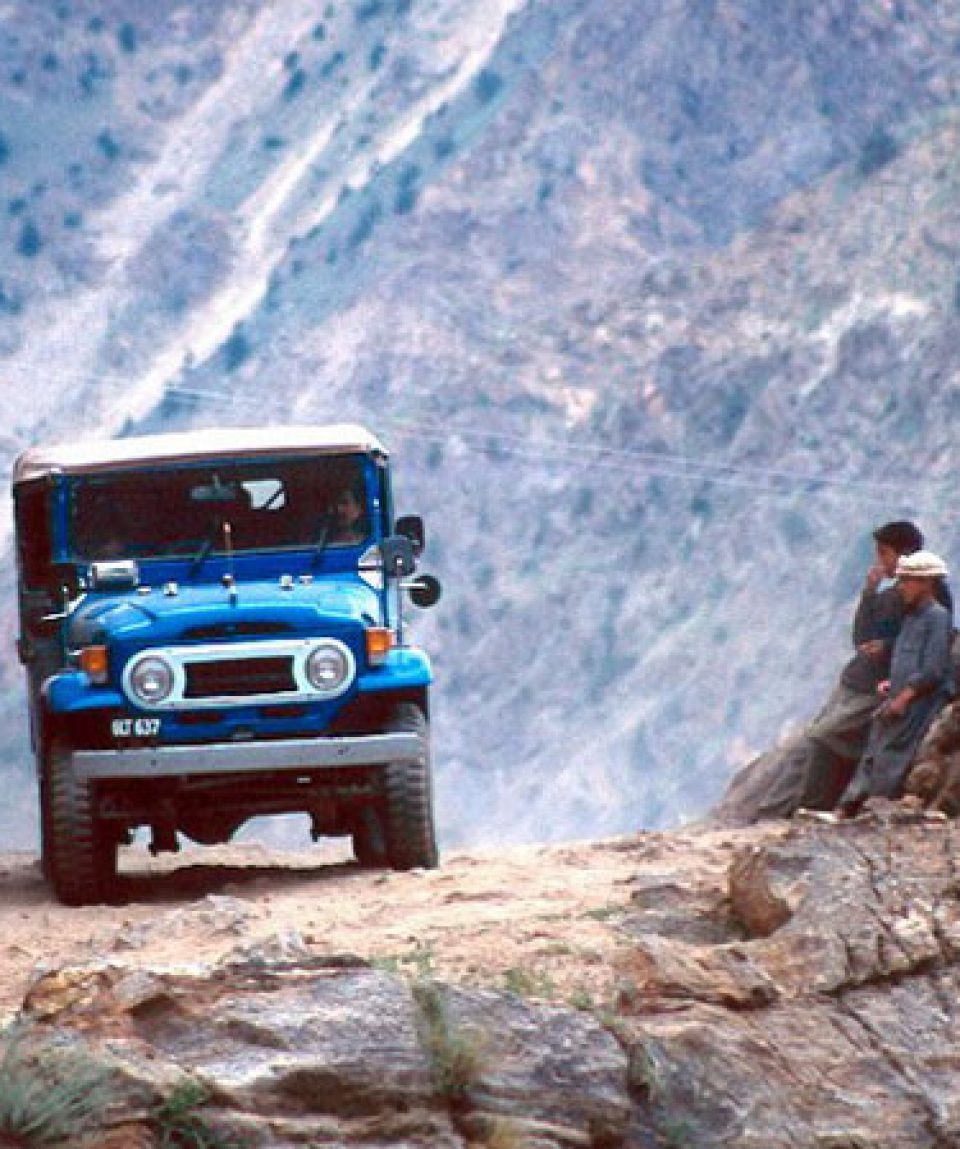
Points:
(46, 832)
(369, 845)
(409, 833)
(81, 859)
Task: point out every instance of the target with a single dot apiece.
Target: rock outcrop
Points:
(773, 784)
(787, 985)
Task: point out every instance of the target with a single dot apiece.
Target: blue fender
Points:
(403, 669)
(71, 691)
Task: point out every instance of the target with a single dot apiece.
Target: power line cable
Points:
(570, 453)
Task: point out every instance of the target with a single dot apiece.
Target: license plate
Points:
(135, 727)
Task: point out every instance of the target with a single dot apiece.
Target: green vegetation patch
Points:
(456, 1055)
(48, 1095)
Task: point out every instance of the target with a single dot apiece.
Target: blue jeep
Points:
(212, 629)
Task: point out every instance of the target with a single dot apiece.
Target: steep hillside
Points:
(656, 303)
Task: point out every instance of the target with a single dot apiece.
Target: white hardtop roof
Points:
(187, 446)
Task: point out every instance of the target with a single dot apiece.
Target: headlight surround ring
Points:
(151, 679)
(329, 667)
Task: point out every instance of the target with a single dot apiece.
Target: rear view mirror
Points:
(215, 492)
(411, 527)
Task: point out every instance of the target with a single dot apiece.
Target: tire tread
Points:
(409, 824)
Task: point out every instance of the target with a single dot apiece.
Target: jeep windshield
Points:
(209, 509)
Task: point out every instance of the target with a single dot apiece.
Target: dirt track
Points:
(540, 919)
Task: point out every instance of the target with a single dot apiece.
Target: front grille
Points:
(238, 678)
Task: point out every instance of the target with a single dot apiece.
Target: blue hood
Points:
(200, 611)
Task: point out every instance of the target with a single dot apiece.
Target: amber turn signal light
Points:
(93, 660)
(379, 644)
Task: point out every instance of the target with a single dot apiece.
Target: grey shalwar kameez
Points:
(921, 660)
(814, 769)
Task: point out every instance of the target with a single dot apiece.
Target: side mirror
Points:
(424, 591)
(398, 558)
(411, 527)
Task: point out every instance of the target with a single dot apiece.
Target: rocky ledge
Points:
(789, 984)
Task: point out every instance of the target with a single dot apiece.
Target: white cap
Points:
(921, 564)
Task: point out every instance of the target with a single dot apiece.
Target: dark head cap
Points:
(905, 537)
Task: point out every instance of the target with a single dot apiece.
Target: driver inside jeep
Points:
(345, 523)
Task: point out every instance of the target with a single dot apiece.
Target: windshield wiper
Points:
(201, 556)
(205, 548)
(321, 543)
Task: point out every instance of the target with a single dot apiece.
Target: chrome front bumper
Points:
(246, 757)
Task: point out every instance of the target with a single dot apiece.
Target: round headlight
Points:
(151, 680)
(329, 667)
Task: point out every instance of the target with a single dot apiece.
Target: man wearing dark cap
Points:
(816, 767)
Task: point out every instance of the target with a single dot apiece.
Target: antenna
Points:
(229, 580)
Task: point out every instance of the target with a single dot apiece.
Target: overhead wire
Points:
(758, 480)
(572, 452)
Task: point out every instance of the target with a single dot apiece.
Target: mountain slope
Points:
(656, 304)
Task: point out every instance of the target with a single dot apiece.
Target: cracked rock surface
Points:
(787, 985)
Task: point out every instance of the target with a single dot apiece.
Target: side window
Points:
(33, 533)
(262, 517)
(265, 494)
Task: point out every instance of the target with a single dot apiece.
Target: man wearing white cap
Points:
(920, 683)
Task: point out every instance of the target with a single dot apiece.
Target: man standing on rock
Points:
(920, 683)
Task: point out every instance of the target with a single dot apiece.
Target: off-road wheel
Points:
(46, 834)
(408, 819)
(369, 842)
(82, 859)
